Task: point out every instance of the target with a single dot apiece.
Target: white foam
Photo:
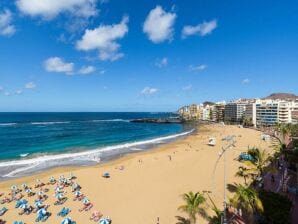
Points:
(90, 155)
(7, 124)
(50, 122)
(111, 120)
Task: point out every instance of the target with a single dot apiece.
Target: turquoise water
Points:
(32, 141)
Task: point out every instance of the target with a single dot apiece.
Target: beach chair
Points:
(3, 211)
(2, 221)
(86, 207)
(60, 201)
(64, 212)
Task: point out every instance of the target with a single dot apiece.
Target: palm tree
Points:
(247, 199)
(261, 162)
(193, 205)
(285, 130)
(216, 219)
(243, 172)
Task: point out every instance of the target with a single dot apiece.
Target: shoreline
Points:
(90, 157)
(152, 188)
(117, 159)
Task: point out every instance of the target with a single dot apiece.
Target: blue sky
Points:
(108, 55)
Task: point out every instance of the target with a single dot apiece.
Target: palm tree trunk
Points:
(193, 219)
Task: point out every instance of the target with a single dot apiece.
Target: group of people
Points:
(22, 195)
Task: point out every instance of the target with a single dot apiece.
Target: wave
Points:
(24, 154)
(111, 120)
(90, 155)
(8, 124)
(50, 122)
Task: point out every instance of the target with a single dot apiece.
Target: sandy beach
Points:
(149, 184)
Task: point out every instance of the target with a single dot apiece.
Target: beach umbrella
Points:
(59, 195)
(24, 206)
(28, 190)
(77, 193)
(66, 221)
(14, 187)
(37, 180)
(58, 188)
(38, 204)
(106, 175)
(24, 186)
(40, 193)
(42, 212)
(104, 221)
(52, 178)
(85, 201)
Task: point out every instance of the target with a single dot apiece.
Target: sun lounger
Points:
(86, 207)
(96, 216)
(60, 201)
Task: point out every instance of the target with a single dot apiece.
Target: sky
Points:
(112, 55)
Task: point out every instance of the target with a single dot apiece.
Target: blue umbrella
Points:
(40, 193)
(14, 187)
(23, 206)
(28, 191)
(78, 193)
(58, 188)
(38, 204)
(66, 221)
(59, 195)
(42, 212)
(107, 175)
(85, 201)
(24, 186)
(104, 221)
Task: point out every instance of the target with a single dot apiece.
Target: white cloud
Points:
(148, 91)
(162, 62)
(197, 68)
(188, 87)
(19, 92)
(56, 64)
(201, 29)
(245, 81)
(7, 94)
(87, 70)
(104, 39)
(49, 9)
(1, 88)
(6, 28)
(159, 25)
(30, 85)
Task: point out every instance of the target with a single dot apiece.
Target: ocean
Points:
(32, 142)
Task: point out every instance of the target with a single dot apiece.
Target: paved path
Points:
(276, 186)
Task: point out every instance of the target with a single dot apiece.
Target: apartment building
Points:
(234, 112)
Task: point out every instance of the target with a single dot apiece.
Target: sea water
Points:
(32, 142)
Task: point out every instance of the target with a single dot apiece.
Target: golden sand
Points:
(152, 182)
